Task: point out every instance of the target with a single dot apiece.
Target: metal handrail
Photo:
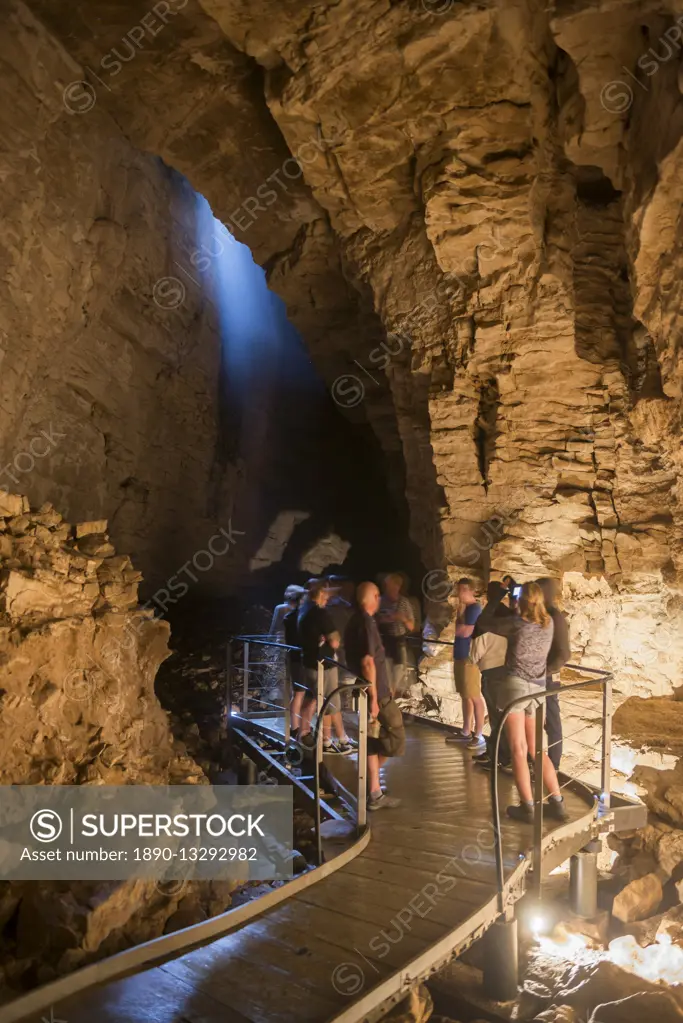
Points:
(359, 687)
(604, 679)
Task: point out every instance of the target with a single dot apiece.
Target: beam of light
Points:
(263, 357)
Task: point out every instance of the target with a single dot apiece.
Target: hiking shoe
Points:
(333, 747)
(458, 737)
(556, 808)
(383, 802)
(506, 768)
(345, 747)
(347, 741)
(523, 813)
(477, 744)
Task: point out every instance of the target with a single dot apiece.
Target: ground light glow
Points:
(661, 961)
(537, 925)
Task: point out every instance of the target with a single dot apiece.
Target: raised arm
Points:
(501, 626)
(560, 651)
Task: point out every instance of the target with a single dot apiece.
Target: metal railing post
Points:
(318, 760)
(228, 683)
(606, 772)
(245, 680)
(362, 806)
(228, 697)
(495, 808)
(320, 694)
(288, 692)
(538, 801)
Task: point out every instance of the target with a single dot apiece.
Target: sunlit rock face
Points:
(79, 659)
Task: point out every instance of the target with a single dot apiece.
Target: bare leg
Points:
(515, 731)
(549, 774)
(479, 706)
(338, 725)
(467, 715)
(297, 702)
(307, 716)
(373, 774)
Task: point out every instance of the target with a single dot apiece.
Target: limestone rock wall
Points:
(78, 660)
(520, 237)
(108, 383)
(473, 221)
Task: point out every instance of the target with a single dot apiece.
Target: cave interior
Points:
(293, 287)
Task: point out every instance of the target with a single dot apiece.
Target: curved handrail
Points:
(360, 686)
(177, 942)
(604, 678)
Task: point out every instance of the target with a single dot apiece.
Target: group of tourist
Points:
(504, 651)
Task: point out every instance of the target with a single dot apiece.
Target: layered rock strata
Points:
(472, 214)
(78, 660)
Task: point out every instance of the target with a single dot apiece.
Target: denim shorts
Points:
(512, 687)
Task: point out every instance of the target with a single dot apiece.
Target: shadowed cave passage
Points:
(298, 454)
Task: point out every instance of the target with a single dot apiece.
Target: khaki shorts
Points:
(512, 687)
(467, 679)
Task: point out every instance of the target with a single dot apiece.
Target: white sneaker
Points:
(333, 747)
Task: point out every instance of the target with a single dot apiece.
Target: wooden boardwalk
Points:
(346, 947)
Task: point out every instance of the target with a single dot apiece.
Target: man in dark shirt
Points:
(559, 655)
(340, 607)
(365, 655)
(319, 641)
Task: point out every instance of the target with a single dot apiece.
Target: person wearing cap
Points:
(293, 595)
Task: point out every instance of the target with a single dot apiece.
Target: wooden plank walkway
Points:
(419, 891)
